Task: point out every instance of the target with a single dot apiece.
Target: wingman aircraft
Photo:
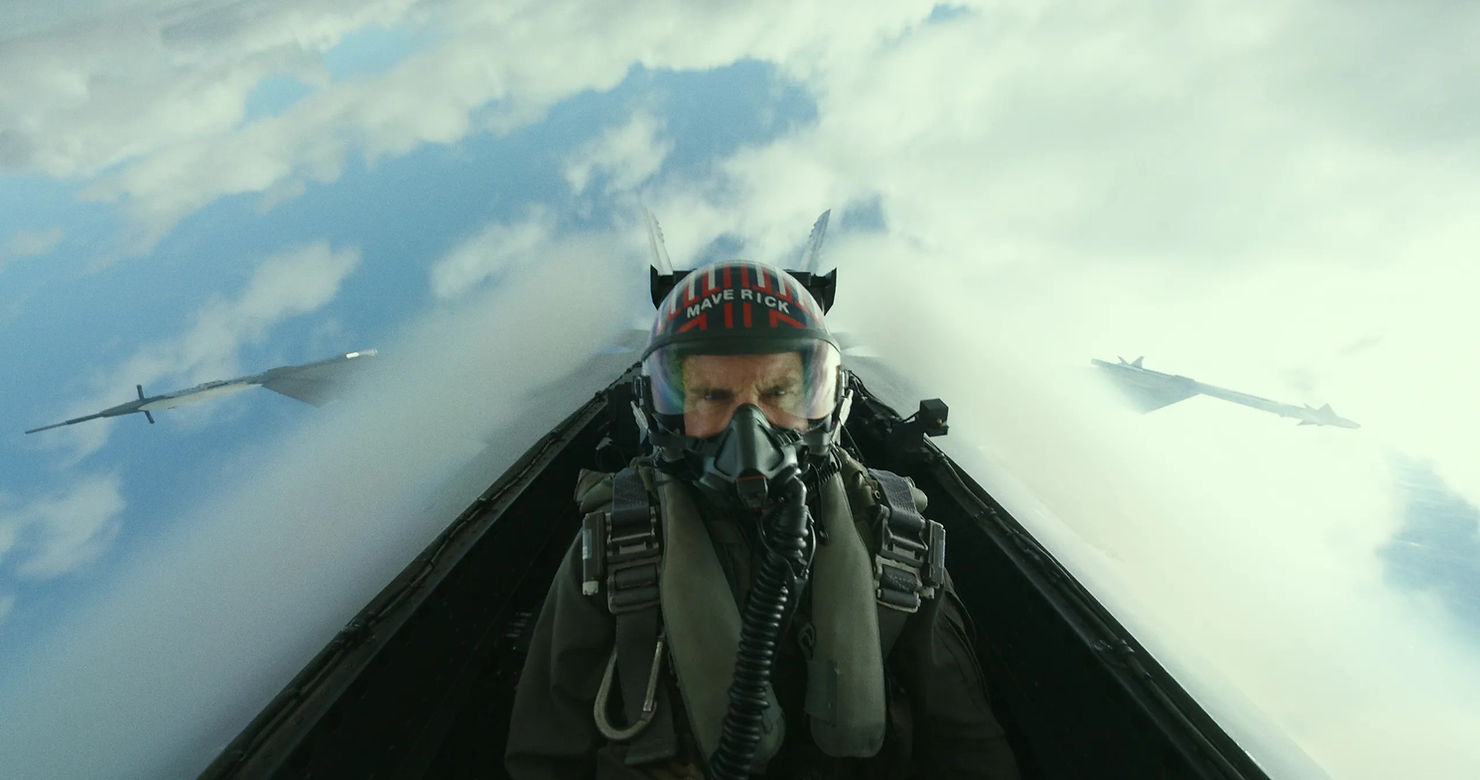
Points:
(1150, 390)
(420, 683)
(312, 383)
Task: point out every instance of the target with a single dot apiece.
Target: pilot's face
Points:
(714, 386)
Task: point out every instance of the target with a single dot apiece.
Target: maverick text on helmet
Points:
(788, 363)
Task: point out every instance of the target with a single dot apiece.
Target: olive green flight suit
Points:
(939, 721)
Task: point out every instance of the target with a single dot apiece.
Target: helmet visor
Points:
(792, 387)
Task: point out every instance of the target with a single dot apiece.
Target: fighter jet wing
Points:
(1145, 389)
(312, 383)
(1149, 399)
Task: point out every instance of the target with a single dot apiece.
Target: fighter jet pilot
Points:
(749, 599)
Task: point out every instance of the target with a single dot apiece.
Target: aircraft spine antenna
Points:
(811, 255)
(655, 242)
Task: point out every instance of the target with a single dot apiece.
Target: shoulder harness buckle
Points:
(911, 561)
(633, 553)
(621, 548)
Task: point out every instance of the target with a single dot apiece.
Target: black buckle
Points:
(910, 564)
(898, 566)
(633, 557)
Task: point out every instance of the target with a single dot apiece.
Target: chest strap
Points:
(623, 548)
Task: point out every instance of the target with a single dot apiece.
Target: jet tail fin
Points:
(655, 243)
(812, 254)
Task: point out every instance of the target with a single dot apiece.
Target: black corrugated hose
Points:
(784, 571)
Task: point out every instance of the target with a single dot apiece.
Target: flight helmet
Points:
(743, 308)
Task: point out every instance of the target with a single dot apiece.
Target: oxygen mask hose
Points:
(788, 556)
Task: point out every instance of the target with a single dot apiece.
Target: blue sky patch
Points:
(274, 95)
(864, 216)
(945, 13)
(712, 113)
(370, 51)
(1438, 547)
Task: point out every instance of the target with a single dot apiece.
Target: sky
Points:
(1272, 197)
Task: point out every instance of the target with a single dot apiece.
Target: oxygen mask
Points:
(750, 458)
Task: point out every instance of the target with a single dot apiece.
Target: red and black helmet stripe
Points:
(738, 306)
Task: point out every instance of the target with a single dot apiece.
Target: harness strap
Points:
(632, 557)
(911, 560)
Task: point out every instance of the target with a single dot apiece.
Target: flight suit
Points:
(939, 722)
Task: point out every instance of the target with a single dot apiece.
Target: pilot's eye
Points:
(714, 396)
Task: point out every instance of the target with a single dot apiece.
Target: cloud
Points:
(291, 283)
(134, 91)
(133, 79)
(491, 252)
(53, 535)
(148, 106)
(28, 243)
(625, 156)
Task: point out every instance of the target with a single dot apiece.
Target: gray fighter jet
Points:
(1150, 390)
(313, 383)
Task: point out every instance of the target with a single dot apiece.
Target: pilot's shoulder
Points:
(864, 490)
(594, 488)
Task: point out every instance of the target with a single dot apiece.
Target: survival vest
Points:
(875, 547)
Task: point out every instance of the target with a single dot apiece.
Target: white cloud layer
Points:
(56, 534)
(147, 105)
(490, 253)
(133, 79)
(29, 243)
(627, 156)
